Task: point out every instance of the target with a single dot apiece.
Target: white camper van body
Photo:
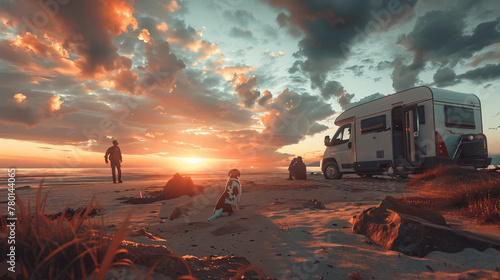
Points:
(407, 132)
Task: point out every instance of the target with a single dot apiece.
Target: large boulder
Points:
(414, 231)
(179, 185)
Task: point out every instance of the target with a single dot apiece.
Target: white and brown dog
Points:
(230, 198)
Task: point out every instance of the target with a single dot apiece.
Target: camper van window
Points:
(342, 135)
(375, 124)
(421, 114)
(459, 117)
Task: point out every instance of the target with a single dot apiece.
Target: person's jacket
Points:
(115, 154)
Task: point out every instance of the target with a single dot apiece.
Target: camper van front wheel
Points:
(332, 171)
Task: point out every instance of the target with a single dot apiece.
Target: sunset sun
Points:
(192, 160)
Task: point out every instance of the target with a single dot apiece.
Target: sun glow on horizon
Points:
(192, 160)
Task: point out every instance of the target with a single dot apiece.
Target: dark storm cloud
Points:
(292, 116)
(85, 27)
(445, 77)
(488, 72)
(331, 28)
(405, 76)
(440, 37)
(332, 88)
(162, 67)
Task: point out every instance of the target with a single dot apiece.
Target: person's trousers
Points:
(117, 165)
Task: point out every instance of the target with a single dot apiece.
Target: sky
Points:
(199, 84)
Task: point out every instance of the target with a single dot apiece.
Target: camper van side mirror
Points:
(327, 141)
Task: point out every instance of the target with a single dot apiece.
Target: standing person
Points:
(115, 157)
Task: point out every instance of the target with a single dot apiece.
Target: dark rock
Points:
(179, 185)
(148, 255)
(23, 188)
(175, 214)
(173, 266)
(415, 235)
(390, 203)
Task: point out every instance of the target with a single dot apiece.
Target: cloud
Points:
(125, 80)
(405, 76)
(19, 109)
(445, 77)
(19, 97)
(144, 36)
(332, 88)
(230, 72)
(266, 97)
(76, 34)
(240, 33)
(291, 117)
(331, 28)
(54, 103)
(187, 38)
(440, 37)
(245, 89)
(240, 17)
(161, 68)
(488, 72)
(485, 57)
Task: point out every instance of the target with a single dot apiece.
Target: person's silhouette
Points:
(115, 157)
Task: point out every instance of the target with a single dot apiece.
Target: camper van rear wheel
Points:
(332, 171)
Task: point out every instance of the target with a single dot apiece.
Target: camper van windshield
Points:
(459, 117)
(342, 135)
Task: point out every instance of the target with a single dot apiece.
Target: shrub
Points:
(475, 193)
(61, 248)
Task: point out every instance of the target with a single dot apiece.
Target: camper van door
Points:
(411, 136)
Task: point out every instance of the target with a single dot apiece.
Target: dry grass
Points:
(474, 193)
(70, 247)
(61, 248)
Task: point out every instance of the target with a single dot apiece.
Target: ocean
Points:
(76, 176)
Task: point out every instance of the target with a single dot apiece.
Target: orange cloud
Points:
(55, 103)
(162, 27)
(144, 36)
(172, 6)
(19, 97)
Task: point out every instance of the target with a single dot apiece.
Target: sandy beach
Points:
(276, 229)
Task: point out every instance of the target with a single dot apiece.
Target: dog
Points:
(230, 198)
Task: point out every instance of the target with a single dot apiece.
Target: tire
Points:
(332, 171)
(404, 175)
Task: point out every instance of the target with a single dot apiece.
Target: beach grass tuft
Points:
(64, 247)
(473, 193)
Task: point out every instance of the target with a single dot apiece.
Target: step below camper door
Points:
(411, 134)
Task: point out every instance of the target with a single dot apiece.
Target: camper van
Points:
(406, 133)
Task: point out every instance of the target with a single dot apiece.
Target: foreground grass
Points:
(473, 193)
(61, 248)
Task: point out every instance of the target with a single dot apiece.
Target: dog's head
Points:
(234, 173)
